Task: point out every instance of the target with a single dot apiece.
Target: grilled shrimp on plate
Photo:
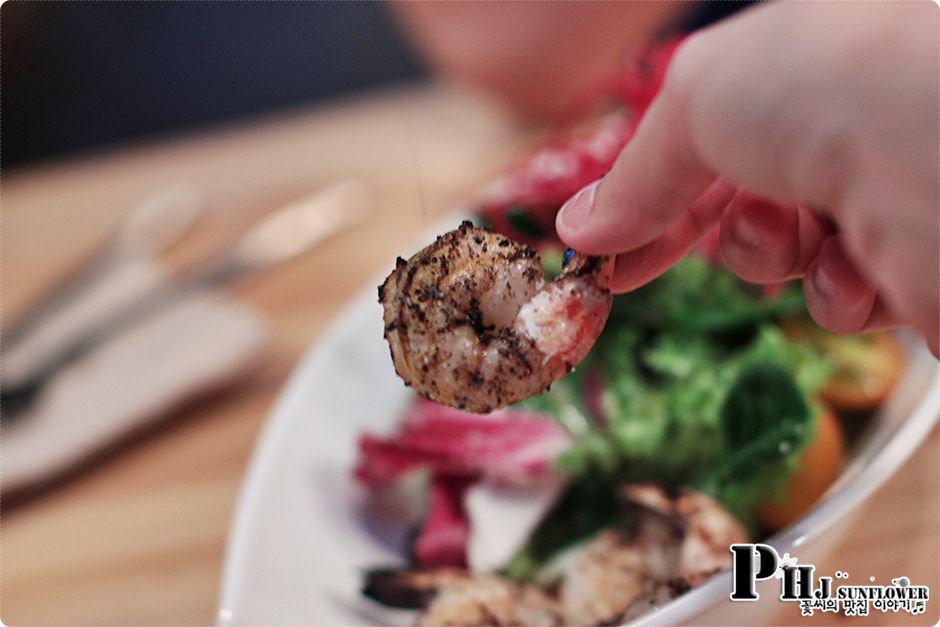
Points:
(471, 322)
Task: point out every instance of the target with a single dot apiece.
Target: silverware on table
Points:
(155, 223)
(286, 233)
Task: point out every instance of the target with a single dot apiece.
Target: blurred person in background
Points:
(538, 57)
(83, 75)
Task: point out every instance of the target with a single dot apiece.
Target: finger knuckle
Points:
(818, 158)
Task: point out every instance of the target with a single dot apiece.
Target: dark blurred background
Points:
(77, 75)
(80, 75)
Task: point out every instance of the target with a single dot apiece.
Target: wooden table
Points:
(139, 537)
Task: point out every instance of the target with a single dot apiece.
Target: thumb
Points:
(655, 179)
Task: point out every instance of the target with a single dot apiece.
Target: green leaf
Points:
(519, 219)
(552, 261)
(766, 421)
(763, 397)
(564, 401)
(697, 297)
(588, 505)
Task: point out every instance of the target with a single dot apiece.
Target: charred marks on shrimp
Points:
(483, 328)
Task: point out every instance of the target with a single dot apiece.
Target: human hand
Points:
(809, 131)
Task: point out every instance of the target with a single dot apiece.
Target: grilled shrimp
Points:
(626, 564)
(490, 600)
(450, 596)
(708, 529)
(664, 547)
(472, 324)
(615, 570)
(711, 530)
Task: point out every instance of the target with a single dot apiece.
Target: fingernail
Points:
(824, 283)
(575, 213)
(746, 233)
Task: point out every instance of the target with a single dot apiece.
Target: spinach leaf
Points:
(588, 505)
(763, 397)
(765, 420)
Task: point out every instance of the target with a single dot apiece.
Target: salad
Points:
(709, 412)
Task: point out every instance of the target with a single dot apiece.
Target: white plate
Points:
(301, 535)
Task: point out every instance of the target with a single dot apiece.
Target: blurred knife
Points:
(286, 233)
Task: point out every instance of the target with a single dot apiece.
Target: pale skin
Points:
(809, 132)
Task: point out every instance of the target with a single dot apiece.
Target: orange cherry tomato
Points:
(867, 366)
(819, 466)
